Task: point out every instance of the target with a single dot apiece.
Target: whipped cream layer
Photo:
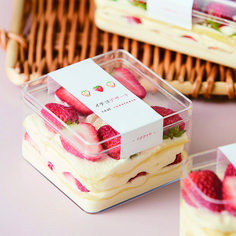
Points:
(105, 182)
(202, 41)
(202, 222)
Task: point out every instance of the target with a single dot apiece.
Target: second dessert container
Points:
(205, 29)
(208, 193)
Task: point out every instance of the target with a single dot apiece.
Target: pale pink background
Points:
(30, 205)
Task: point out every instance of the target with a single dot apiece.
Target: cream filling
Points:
(93, 205)
(107, 179)
(201, 222)
(210, 45)
(37, 130)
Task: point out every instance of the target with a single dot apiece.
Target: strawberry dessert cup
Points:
(208, 196)
(81, 153)
(212, 36)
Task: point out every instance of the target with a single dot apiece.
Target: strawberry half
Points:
(75, 181)
(189, 37)
(50, 165)
(105, 132)
(142, 173)
(229, 193)
(230, 170)
(67, 114)
(219, 10)
(133, 20)
(87, 132)
(30, 140)
(178, 159)
(198, 186)
(71, 100)
(127, 79)
(175, 131)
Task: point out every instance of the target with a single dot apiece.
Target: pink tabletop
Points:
(31, 205)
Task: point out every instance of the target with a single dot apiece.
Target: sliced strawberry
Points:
(67, 114)
(133, 20)
(31, 142)
(50, 165)
(175, 131)
(71, 100)
(72, 179)
(213, 48)
(230, 170)
(90, 150)
(177, 160)
(229, 193)
(200, 186)
(126, 78)
(189, 37)
(27, 137)
(142, 173)
(105, 132)
(219, 10)
(163, 111)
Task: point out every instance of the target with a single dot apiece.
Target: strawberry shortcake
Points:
(211, 35)
(80, 152)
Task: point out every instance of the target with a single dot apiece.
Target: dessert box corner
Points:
(96, 180)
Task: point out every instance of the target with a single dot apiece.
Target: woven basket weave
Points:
(49, 34)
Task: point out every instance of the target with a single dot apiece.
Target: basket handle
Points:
(5, 36)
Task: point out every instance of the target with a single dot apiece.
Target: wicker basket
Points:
(49, 34)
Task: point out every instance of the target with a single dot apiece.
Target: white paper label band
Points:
(174, 12)
(139, 125)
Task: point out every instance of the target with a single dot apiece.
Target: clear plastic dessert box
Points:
(77, 146)
(210, 33)
(208, 196)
